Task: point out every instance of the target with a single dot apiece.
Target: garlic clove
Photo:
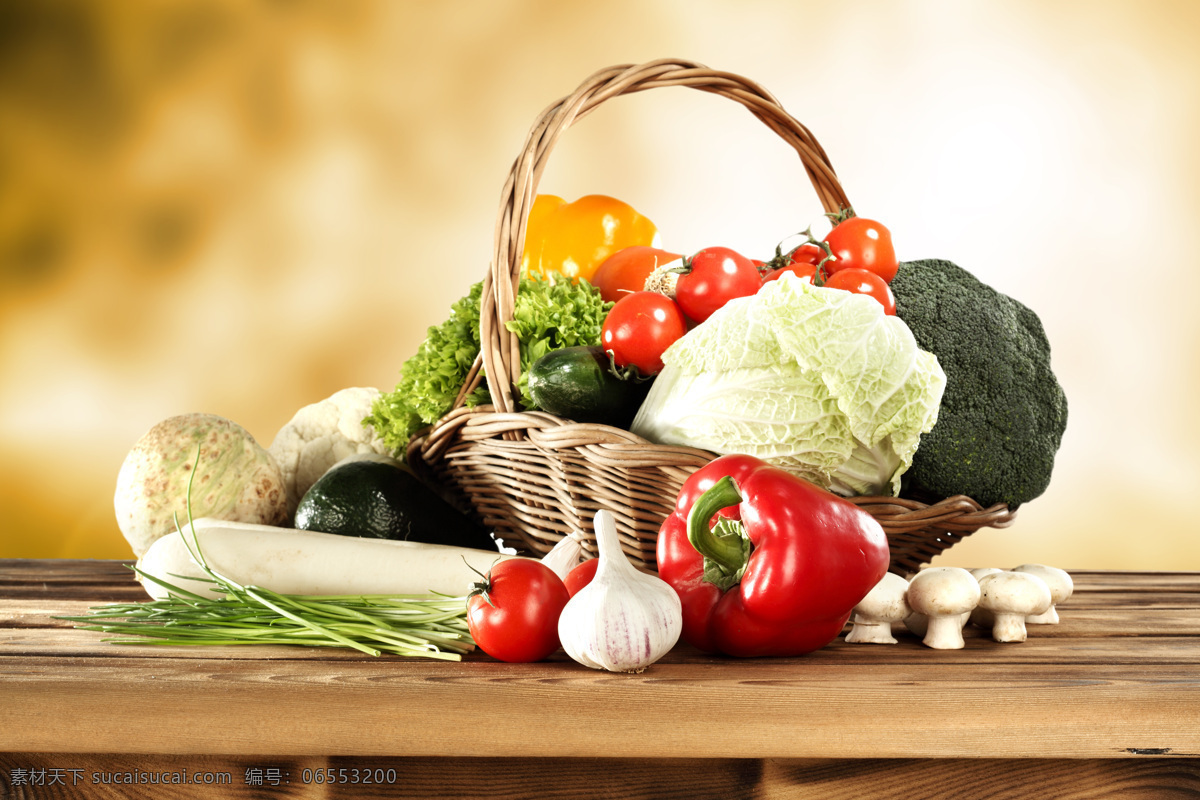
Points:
(624, 620)
(565, 555)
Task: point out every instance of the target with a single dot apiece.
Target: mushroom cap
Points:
(943, 591)
(1014, 593)
(886, 601)
(1060, 583)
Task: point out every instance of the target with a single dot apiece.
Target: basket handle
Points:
(500, 350)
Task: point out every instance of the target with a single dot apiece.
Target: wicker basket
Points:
(534, 477)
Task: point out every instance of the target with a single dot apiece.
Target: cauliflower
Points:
(322, 434)
(236, 479)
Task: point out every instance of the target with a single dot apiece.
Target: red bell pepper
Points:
(765, 562)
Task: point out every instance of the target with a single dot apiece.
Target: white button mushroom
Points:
(944, 595)
(1061, 587)
(917, 624)
(1011, 597)
(875, 613)
(979, 572)
(981, 617)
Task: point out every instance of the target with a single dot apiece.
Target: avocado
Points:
(383, 499)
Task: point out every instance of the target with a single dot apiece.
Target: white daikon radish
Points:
(291, 561)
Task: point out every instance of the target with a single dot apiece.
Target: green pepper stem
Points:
(727, 551)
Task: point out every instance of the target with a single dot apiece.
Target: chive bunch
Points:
(405, 625)
(429, 626)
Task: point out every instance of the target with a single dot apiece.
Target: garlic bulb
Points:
(624, 620)
(565, 555)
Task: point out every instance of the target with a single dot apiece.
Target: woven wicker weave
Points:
(534, 477)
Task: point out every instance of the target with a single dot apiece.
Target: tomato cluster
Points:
(857, 256)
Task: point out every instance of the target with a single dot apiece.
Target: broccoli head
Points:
(1003, 412)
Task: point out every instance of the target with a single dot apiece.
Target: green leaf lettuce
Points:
(549, 315)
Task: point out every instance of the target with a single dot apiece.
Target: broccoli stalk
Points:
(1003, 412)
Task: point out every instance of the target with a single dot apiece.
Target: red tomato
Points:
(515, 617)
(715, 276)
(626, 270)
(860, 243)
(803, 271)
(639, 328)
(860, 281)
(807, 254)
(581, 575)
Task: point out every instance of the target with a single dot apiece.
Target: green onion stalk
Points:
(426, 626)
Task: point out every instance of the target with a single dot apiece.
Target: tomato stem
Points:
(626, 373)
(481, 588)
(841, 215)
(780, 260)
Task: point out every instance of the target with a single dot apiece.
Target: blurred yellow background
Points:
(240, 208)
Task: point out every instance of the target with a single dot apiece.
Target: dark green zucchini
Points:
(579, 383)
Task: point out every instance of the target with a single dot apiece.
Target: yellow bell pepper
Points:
(573, 239)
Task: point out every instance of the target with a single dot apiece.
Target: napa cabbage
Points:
(818, 381)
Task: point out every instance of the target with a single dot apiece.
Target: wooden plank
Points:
(100, 581)
(1116, 605)
(1078, 622)
(74, 644)
(1118, 581)
(1040, 649)
(800, 710)
(96, 580)
(50, 573)
(41, 613)
(984, 779)
(1130, 621)
(1119, 676)
(65, 570)
(1129, 604)
(286, 778)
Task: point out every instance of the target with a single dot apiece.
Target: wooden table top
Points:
(1118, 677)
